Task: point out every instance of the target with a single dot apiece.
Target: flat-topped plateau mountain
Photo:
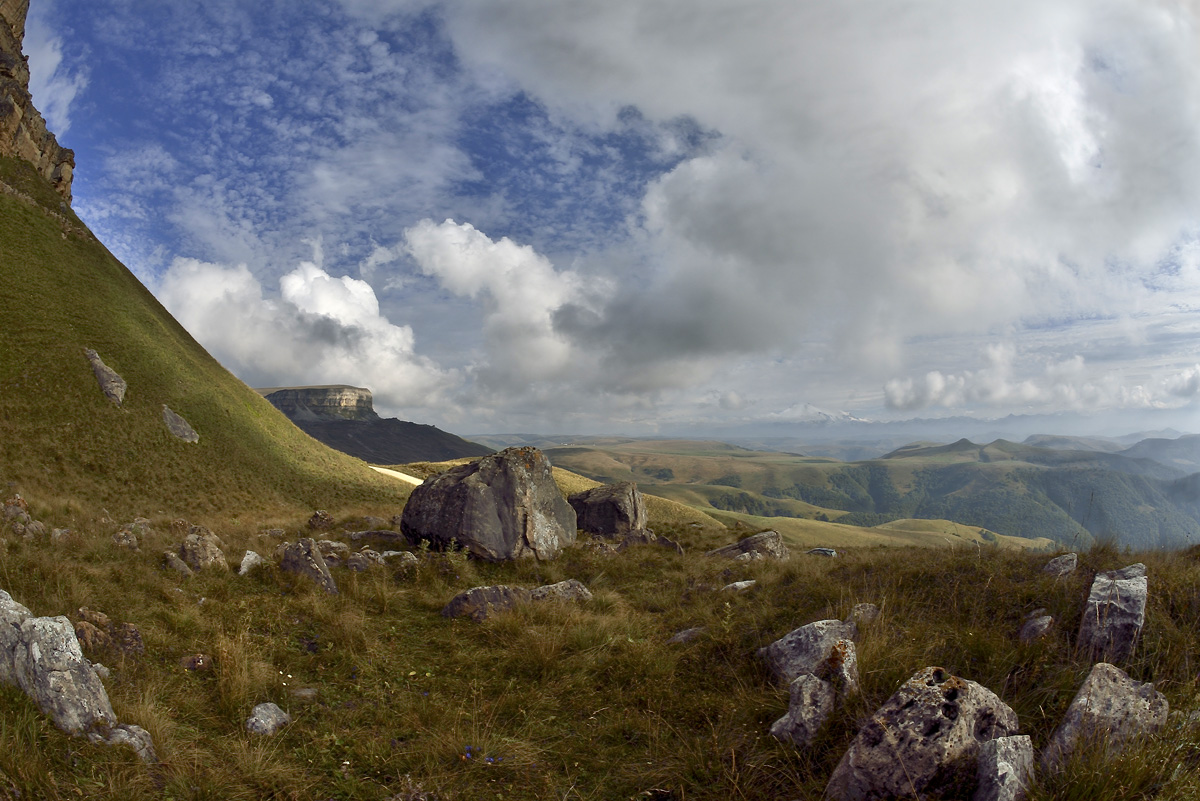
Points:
(344, 418)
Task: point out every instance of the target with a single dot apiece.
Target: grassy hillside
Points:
(68, 448)
(560, 701)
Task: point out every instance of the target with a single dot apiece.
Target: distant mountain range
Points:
(1143, 496)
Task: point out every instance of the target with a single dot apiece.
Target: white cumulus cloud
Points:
(319, 330)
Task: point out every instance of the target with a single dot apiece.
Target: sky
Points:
(637, 216)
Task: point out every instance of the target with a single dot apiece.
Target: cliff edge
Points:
(23, 131)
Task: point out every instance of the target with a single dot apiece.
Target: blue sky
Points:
(627, 216)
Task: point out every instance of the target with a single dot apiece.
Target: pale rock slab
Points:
(1114, 614)
(803, 650)
(1109, 709)
(1005, 769)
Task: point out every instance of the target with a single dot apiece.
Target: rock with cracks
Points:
(111, 384)
(1004, 769)
(811, 704)
(304, 558)
(1109, 709)
(41, 656)
(504, 506)
(1114, 614)
(612, 510)
(768, 544)
(805, 649)
(921, 739)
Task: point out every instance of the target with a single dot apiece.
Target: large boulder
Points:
(767, 544)
(806, 649)
(922, 739)
(1109, 709)
(612, 510)
(1114, 614)
(504, 506)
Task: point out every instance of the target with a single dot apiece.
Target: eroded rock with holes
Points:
(1114, 614)
(803, 650)
(612, 510)
(479, 603)
(921, 739)
(304, 558)
(1109, 710)
(768, 544)
(201, 550)
(1004, 769)
(504, 506)
(1062, 565)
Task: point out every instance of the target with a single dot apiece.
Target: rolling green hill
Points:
(64, 445)
(1069, 496)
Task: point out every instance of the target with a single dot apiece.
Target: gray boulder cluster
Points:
(934, 727)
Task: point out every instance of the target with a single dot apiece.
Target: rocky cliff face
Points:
(23, 132)
(310, 404)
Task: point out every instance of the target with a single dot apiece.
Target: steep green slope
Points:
(63, 443)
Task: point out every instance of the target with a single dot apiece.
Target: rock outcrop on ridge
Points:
(23, 131)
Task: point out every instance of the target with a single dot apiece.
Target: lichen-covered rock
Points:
(250, 560)
(201, 549)
(1114, 614)
(130, 534)
(569, 590)
(1005, 769)
(863, 614)
(803, 650)
(767, 543)
(1109, 709)
(111, 384)
(134, 737)
(504, 506)
(50, 668)
(612, 510)
(479, 603)
(810, 705)
(304, 558)
(1062, 565)
(267, 719)
(920, 738)
(178, 427)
